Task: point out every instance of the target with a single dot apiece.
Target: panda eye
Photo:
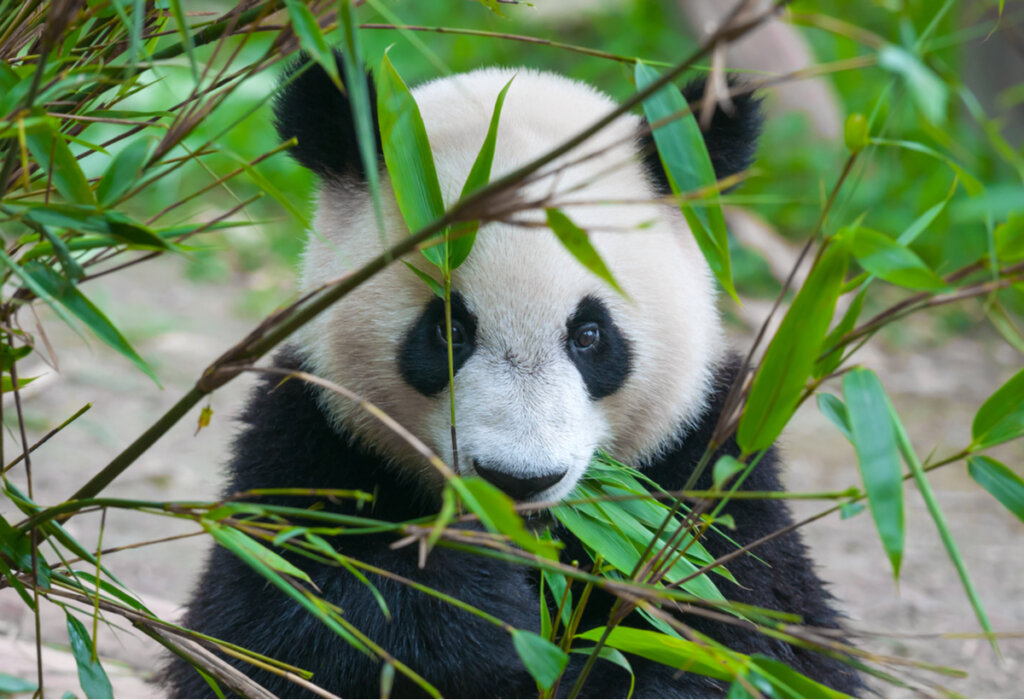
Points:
(586, 336)
(458, 333)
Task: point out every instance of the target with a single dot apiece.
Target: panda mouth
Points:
(518, 487)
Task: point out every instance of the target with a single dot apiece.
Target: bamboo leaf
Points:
(545, 661)
(925, 487)
(688, 166)
(311, 38)
(788, 683)
(434, 285)
(74, 301)
(832, 408)
(497, 512)
(54, 156)
(725, 468)
(677, 653)
(91, 675)
(186, 38)
(123, 171)
(12, 685)
(1001, 417)
(929, 92)
(408, 156)
(792, 353)
(1000, 481)
(875, 441)
(577, 242)
(479, 175)
(892, 262)
(236, 540)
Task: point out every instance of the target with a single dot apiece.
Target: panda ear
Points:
(310, 108)
(731, 139)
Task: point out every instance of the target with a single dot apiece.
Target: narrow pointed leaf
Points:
(62, 168)
(725, 468)
(362, 111)
(408, 156)
(1000, 481)
(688, 165)
(832, 408)
(311, 38)
(497, 512)
(930, 94)
(925, 487)
(892, 262)
(577, 242)
(545, 661)
(236, 540)
(1001, 417)
(792, 353)
(479, 175)
(875, 441)
(91, 675)
(74, 301)
(434, 285)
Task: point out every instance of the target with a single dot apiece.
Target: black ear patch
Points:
(731, 139)
(310, 108)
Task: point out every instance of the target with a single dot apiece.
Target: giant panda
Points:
(551, 364)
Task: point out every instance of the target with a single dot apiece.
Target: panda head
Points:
(550, 362)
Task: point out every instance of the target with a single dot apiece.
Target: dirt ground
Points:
(181, 326)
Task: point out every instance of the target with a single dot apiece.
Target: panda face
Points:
(551, 364)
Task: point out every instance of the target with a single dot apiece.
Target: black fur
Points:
(605, 364)
(731, 140)
(310, 107)
(423, 356)
(288, 442)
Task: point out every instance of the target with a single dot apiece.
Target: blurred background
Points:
(182, 311)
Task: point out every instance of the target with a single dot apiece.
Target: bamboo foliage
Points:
(80, 160)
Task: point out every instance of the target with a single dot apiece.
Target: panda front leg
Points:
(458, 652)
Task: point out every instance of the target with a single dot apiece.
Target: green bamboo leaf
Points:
(497, 512)
(1009, 238)
(833, 408)
(930, 94)
(925, 487)
(923, 222)
(1001, 417)
(577, 242)
(12, 685)
(6, 384)
(558, 585)
(408, 156)
(677, 653)
(788, 683)
(875, 441)
(186, 38)
(791, 354)
(91, 675)
(236, 541)
(134, 233)
(828, 362)
(434, 285)
(725, 468)
(1000, 481)
(686, 161)
(479, 175)
(892, 262)
(311, 38)
(74, 301)
(123, 171)
(1004, 324)
(545, 661)
(362, 113)
(54, 156)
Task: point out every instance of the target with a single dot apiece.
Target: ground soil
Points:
(180, 326)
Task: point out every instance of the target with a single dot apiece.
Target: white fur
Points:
(520, 402)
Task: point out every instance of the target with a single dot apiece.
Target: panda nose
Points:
(519, 488)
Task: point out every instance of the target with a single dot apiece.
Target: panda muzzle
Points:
(520, 488)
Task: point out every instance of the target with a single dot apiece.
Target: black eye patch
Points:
(423, 356)
(598, 348)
